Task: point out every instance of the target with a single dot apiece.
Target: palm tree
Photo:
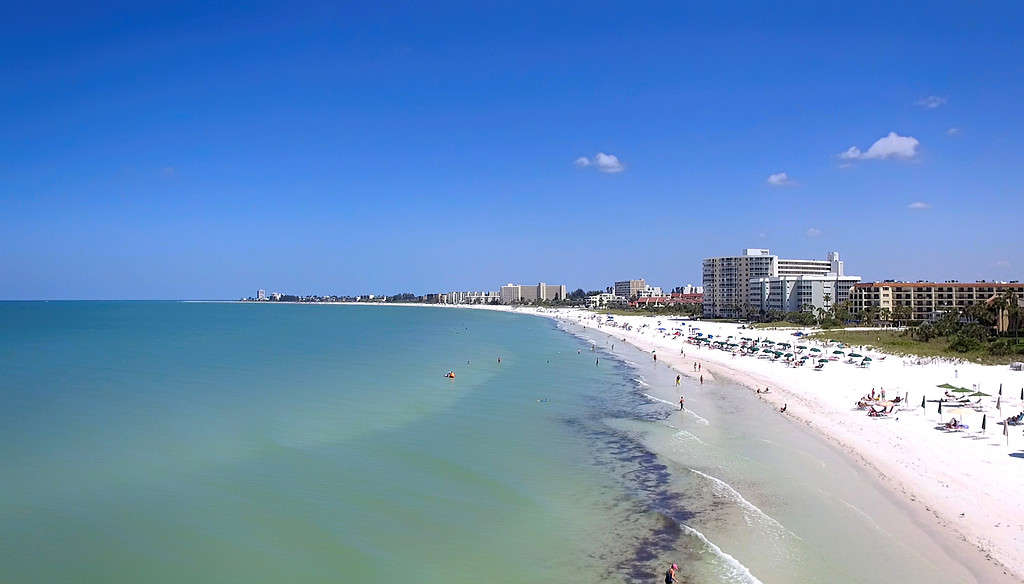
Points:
(1012, 307)
(885, 314)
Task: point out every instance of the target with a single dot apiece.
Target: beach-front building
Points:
(688, 289)
(927, 300)
(516, 293)
(472, 297)
(673, 299)
(606, 299)
(629, 288)
(728, 280)
(796, 293)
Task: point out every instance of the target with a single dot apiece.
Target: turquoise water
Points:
(171, 442)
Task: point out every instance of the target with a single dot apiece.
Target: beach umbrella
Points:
(856, 355)
(922, 402)
(1000, 389)
(838, 353)
(788, 355)
(946, 386)
(822, 360)
(801, 346)
(867, 358)
(816, 350)
(979, 394)
(961, 390)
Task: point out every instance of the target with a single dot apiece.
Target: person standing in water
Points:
(702, 380)
(596, 361)
(681, 402)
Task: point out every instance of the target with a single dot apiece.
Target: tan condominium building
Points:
(927, 300)
(630, 288)
(515, 293)
(728, 280)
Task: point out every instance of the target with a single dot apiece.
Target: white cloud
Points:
(608, 162)
(952, 131)
(781, 179)
(891, 146)
(813, 232)
(931, 102)
(919, 205)
(602, 162)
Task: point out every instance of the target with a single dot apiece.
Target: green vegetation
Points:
(777, 324)
(676, 310)
(900, 343)
(972, 333)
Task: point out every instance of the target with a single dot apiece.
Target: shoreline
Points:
(908, 471)
(963, 489)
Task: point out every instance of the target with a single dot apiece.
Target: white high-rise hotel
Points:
(758, 281)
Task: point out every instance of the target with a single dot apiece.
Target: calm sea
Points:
(216, 442)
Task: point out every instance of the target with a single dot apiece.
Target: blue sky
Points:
(180, 151)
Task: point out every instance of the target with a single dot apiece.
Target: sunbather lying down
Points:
(955, 424)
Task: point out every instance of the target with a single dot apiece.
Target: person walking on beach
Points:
(784, 406)
(702, 380)
(677, 379)
(681, 402)
(670, 576)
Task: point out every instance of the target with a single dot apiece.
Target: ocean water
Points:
(219, 442)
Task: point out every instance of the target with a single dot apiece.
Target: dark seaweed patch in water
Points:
(644, 478)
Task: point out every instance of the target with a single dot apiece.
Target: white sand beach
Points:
(971, 482)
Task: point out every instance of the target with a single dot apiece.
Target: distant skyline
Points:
(188, 151)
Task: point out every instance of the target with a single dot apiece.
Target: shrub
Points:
(964, 344)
